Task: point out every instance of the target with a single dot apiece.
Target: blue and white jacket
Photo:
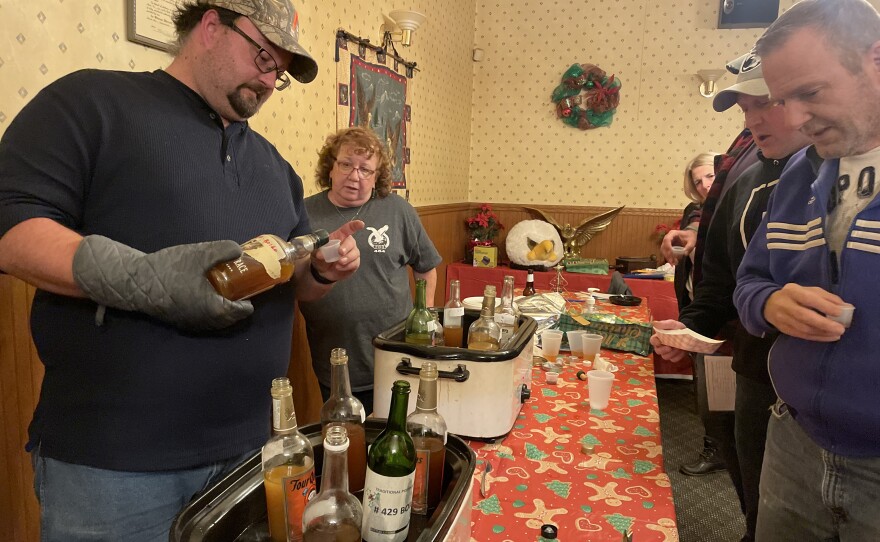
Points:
(832, 388)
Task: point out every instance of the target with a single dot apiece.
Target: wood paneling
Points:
(21, 371)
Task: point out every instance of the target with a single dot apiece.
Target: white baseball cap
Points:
(749, 81)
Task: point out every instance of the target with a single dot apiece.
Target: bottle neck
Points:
(302, 246)
(488, 310)
(420, 294)
(340, 385)
(334, 475)
(530, 279)
(397, 411)
(455, 292)
(283, 414)
(427, 399)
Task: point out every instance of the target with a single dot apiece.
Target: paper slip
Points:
(601, 364)
(686, 339)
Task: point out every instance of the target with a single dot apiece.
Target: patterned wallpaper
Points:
(481, 130)
(41, 40)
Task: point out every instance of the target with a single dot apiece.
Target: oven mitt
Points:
(618, 286)
(169, 284)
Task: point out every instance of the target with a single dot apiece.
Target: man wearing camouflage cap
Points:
(155, 386)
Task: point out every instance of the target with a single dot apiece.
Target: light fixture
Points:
(707, 81)
(399, 25)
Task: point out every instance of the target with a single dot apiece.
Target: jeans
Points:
(365, 397)
(754, 398)
(808, 493)
(86, 504)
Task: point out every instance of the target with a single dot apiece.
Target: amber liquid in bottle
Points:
(266, 261)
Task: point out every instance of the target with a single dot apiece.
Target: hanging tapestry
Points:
(371, 92)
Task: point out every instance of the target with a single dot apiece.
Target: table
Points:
(540, 475)
(660, 296)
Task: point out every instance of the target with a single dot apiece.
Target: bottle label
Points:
(504, 319)
(268, 252)
(387, 502)
(420, 483)
(431, 325)
(298, 491)
(453, 312)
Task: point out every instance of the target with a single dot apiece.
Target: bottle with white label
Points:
(391, 466)
(343, 408)
(453, 311)
(505, 315)
(428, 430)
(266, 261)
(420, 324)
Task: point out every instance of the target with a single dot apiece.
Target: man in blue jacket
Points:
(817, 249)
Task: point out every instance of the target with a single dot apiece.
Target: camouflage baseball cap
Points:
(279, 22)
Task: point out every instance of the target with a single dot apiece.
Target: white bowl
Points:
(476, 303)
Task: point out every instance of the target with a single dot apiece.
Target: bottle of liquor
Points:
(343, 408)
(485, 333)
(505, 315)
(529, 290)
(453, 312)
(420, 323)
(266, 261)
(334, 514)
(391, 467)
(428, 431)
(288, 468)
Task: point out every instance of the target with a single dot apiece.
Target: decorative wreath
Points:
(587, 98)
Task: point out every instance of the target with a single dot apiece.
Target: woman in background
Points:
(354, 172)
(698, 178)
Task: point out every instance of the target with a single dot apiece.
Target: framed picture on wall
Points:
(150, 22)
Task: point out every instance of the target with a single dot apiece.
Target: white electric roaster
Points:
(479, 394)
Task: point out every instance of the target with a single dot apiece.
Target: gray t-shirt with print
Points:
(378, 295)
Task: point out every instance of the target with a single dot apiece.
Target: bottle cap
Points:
(548, 531)
(323, 237)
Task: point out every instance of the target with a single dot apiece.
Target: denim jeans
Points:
(85, 504)
(808, 493)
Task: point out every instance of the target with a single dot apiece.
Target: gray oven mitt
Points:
(169, 284)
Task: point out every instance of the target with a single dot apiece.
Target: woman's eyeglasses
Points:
(347, 167)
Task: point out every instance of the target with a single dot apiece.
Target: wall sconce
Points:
(707, 81)
(399, 26)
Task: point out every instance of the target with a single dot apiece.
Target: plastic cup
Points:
(592, 343)
(846, 315)
(330, 251)
(552, 377)
(550, 341)
(678, 251)
(599, 384)
(575, 341)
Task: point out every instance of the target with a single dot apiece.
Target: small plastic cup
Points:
(550, 341)
(599, 384)
(678, 251)
(575, 341)
(592, 343)
(330, 251)
(846, 315)
(552, 377)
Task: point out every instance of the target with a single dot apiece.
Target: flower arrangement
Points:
(660, 230)
(484, 225)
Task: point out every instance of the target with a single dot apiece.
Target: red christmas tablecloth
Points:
(541, 474)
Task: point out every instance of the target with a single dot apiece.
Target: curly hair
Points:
(364, 142)
(702, 159)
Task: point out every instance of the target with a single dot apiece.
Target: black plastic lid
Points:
(323, 237)
(548, 531)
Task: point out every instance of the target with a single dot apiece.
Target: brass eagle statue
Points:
(574, 238)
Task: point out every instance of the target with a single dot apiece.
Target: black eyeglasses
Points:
(264, 60)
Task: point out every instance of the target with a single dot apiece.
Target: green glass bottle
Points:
(391, 467)
(420, 324)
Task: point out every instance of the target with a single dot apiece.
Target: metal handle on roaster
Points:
(459, 374)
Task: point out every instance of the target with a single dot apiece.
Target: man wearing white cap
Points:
(734, 223)
(118, 191)
(816, 251)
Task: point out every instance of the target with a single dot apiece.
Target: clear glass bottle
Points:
(428, 430)
(420, 323)
(334, 514)
(343, 408)
(505, 315)
(391, 466)
(437, 337)
(266, 261)
(288, 468)
(529, 290)
(453, 311)
(485, 333)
